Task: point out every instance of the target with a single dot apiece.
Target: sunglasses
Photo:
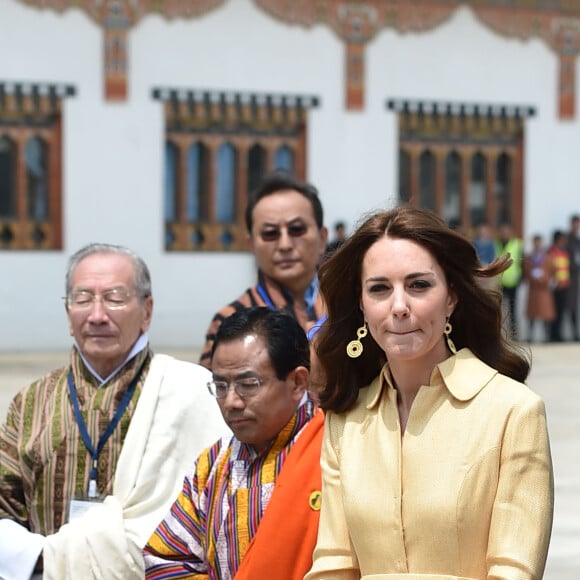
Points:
(273, 234)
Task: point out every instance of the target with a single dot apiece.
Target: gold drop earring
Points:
(355, 348)
(447, 332)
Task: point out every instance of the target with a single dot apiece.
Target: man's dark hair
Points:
(284, 338)
(282, 181)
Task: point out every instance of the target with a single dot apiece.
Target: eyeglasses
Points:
(273, 234)
(114, 299)
(244, 388)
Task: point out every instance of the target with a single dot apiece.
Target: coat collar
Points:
(462, 374)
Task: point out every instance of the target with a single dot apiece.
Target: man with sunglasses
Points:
(284, 219)
(92, 454)
(249, 507)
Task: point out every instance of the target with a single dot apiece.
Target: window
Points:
(453, 179)
(427, 169)
(218, 146)
(463, 161)
(30, 166)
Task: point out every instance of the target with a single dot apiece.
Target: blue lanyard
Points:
(314, 329)
(270, 304)
(94, 453)
(265, 297)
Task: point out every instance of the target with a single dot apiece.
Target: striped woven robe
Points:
(43, 460)
(211, 524)
(266, 293)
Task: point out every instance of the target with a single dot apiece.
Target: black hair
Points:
(284, 338)
(557, 236)
(283, 181)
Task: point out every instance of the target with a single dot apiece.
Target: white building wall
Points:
(113, 169)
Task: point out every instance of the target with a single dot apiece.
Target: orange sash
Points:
(283, 545)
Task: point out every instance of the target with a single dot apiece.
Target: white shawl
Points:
(175, 419)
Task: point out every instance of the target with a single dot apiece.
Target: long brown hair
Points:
(476, 320)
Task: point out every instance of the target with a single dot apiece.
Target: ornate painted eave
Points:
(117, 17)
(519, 18)
(196, 96)
(557, 22)
(36, 102)
(365, 18)
(460, 109)
(200, 109)
(98, 10)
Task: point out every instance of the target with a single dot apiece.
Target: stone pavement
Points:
(555, 377)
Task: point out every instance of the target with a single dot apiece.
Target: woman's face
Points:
(405, 301)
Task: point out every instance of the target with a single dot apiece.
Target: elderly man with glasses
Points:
(284, 219)
(92, 454)
(249, 507)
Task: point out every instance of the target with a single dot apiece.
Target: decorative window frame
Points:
(31, 113)
(245, 130)
(474, 151)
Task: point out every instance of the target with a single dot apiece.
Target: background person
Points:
(453, 446)
(508, 243)
(484, 243)
(284, 218)
(338, 239)
(116, 424)
(539, 273)
(573, 248)
(249, 508)
(558, 252)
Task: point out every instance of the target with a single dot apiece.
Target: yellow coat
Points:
(467, 492)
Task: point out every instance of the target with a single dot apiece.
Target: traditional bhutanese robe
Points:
(283, 547)
(211, 524)
(561, 260)
(43, 460)
(266, 293)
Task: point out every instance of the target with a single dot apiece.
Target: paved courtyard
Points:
(555, 376)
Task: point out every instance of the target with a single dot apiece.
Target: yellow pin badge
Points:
(315, 500)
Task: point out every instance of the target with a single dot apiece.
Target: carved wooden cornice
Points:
(35, 103)
(203, 110)
(98, 10)
(456, 122)
(557, 22)
(361, 20)
(117, 17)
(514, 18)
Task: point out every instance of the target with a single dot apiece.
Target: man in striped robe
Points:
(267, 473)
(284, 219)
(116, 424)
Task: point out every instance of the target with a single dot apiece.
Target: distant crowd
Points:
(551, 271)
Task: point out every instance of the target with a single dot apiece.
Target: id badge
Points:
(80, 506)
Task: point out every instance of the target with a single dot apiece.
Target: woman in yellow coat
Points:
(436, 460)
